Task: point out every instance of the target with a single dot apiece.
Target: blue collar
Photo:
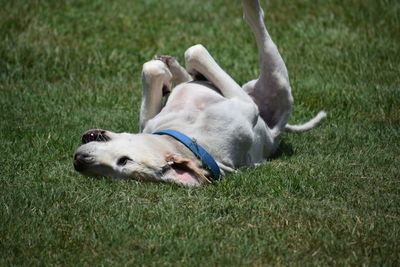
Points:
(200, 152)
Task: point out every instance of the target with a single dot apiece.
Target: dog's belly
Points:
(229, 129)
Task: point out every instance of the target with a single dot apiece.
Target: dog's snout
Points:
(95, 135)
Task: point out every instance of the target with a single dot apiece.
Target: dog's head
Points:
(142, 157)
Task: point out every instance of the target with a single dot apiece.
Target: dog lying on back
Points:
(209, 125)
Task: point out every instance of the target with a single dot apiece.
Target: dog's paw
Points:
(179, 74)
(168, 60)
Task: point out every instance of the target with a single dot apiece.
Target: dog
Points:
(209, 125)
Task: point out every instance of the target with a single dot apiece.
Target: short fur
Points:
(238, 126)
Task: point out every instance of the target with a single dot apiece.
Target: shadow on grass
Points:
(284, 150)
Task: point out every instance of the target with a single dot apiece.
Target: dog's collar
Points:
(200, 152)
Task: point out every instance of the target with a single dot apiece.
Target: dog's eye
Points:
(123, 160)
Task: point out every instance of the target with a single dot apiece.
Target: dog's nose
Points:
(95, 135)
(82, 161)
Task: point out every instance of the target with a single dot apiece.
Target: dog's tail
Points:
(306, 126)
(277, 130)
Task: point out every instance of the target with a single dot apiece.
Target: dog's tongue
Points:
(182, 176)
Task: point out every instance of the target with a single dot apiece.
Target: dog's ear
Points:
(184, 171)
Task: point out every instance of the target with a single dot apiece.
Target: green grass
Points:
(331, 196)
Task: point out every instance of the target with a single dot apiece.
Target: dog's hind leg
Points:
(271, 91)
(156, 81)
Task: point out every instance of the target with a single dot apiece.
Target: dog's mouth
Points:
(95, 135)
(87, 165)
(82, 162)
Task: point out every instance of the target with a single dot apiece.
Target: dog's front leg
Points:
(199, 61)
(156, 81)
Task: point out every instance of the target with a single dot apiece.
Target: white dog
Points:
(209, 124)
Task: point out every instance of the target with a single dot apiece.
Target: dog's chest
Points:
(192, 97)
(195, 107)
(219, 124)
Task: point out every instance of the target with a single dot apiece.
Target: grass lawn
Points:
(330, 196)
